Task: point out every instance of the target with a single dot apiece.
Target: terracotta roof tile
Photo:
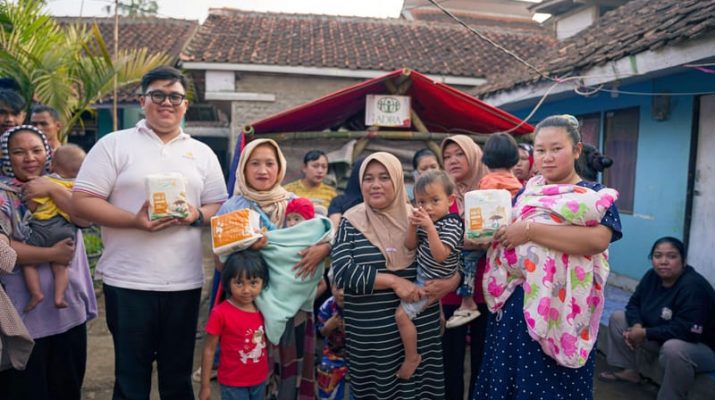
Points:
(635, 27)
(356, 43)
(156, 34)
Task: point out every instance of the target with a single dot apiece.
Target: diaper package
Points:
(167, 196)
(485, 211)
(234, 231)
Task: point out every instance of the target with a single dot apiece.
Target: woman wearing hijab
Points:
(372, 265)
(260, 170)
(57, 363)
(462, 160)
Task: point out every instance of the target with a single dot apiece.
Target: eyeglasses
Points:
(158, 97)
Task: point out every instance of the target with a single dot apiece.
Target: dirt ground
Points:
(99, 378)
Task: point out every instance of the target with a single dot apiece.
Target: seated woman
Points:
(673, 312)
(376, 271)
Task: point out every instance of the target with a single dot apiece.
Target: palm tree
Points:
(68, 68)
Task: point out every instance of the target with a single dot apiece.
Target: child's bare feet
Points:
(35, 299)
(60, 302)
(408, 367)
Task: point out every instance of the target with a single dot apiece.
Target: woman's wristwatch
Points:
(200, 220)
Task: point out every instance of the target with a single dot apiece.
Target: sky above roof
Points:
(198, 9)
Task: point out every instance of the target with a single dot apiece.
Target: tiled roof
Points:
(635, 27)
(481, 21)
(166, 35)
(355, 43)
(156, 34)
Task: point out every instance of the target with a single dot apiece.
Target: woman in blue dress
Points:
(514, 365)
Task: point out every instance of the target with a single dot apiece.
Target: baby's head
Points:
(500, 152)
(434, 193)
(298, 210)
(67, 160)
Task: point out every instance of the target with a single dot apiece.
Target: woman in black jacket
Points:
(673, 312)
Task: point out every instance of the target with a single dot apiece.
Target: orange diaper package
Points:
(167, 196)
(234, 231)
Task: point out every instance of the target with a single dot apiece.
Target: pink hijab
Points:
(473, 153)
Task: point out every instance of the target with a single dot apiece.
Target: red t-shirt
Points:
(243, 359)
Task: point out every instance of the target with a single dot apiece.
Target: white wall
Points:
(220, 81)
(575, 22)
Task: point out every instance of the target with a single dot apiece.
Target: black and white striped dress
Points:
(375, 351)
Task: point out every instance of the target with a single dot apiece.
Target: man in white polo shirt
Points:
(152, 270)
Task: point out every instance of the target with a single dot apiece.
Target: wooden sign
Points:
(387, 110)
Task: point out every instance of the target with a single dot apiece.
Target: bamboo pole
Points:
(417, 122)
(115, 125)
(387, 135)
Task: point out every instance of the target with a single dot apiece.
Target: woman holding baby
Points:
(545, 276)
(56, 365)
(261, 168)
(372, 265)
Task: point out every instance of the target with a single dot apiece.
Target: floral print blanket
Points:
(563, 293)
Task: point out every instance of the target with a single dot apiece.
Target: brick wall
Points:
(289, 91)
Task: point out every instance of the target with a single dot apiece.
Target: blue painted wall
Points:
(662, 161)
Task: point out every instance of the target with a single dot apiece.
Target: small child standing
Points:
(333, 366)
(298, 210)
(237, 325)
(50, 224)
(437, 235)
(501, 154)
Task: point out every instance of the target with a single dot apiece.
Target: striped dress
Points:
(375, 351)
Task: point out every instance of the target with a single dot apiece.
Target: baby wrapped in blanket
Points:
(563, 293)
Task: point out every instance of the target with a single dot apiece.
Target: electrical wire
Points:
(579, 89)
(632, 93)
(490, 41)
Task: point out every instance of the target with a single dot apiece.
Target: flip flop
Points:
(611, 377)
(461, 317)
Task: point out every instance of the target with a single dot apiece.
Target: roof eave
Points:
(322, 71)
(632, 66)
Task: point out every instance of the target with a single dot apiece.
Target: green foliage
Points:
(68, 68)
(135, 8)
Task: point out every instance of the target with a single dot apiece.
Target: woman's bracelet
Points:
(528, 231)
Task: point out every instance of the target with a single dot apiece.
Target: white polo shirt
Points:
(115, 169)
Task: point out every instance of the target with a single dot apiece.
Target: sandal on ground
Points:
(461, 317)
(611, 377)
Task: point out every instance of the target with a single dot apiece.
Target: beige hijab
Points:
(273, 202)
(474, 159)
(386, 228)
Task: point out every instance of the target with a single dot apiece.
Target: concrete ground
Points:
(99, 377)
